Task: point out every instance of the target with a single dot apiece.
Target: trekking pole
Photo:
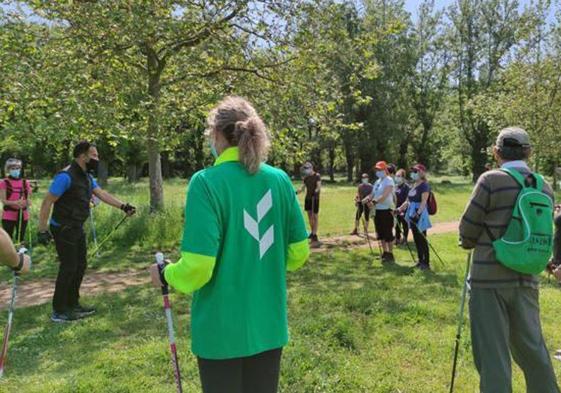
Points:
(20, 223)
(367, 235)
(4, 351)
(430, 245)
(406, 242)
(94, 235)
(96, 250)
(29, 235)
(460, 322)
(171, 334)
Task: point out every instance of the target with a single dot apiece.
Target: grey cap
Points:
(513, 137)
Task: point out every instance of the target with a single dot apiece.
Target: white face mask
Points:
(414, 176)
(399, 180)
(365, 181)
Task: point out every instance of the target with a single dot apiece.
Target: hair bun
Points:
(251, 126)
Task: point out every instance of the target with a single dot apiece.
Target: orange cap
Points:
(382, 165)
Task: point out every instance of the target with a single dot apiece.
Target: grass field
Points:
(145, 234)
(355, 326)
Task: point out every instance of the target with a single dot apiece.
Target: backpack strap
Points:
(9, 188)
(516, 176)
(520, 179)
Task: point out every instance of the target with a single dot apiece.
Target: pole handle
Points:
(160, 260)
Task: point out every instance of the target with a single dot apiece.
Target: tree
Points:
(483, 34)
(163, 43)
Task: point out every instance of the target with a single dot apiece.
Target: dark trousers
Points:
(253, 374)
(13, 229)
(422, 245)
(401, 228)
(71, 248)
(505, 322)
(362, 209)
(557, 240)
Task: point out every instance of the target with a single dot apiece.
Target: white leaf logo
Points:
(252, 226)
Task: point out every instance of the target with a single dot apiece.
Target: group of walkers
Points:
(69, 198)
(244, 230)
(398, 205)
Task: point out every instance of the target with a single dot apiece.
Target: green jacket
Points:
(242, 232)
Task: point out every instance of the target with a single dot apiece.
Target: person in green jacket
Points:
(243, 230)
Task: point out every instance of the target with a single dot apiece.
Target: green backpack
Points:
(528, 241)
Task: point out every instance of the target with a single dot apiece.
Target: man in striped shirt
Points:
(504, 305)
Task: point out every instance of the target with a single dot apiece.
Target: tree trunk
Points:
(403, 148)
(133, 173)
(479, 152)
(103, 173)
(332, 163)
(349, 158)
(154, 158)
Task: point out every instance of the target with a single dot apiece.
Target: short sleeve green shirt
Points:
(249, 227)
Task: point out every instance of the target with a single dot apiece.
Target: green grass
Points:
(134, 243)
(355, 327)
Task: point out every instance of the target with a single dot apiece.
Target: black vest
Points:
(73, 207)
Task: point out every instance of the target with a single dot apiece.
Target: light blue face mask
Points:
(414, 176)
(380, 174)
(15, 173)
(212, 149)
(398, 180)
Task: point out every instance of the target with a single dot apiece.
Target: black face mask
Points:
(91, 165)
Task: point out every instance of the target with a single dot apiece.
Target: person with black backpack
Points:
(15, 194)
(509, 224)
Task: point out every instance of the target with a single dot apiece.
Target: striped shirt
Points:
(490, 211)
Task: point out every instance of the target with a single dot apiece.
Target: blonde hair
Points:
(240, 124)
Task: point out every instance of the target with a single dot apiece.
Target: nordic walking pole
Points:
(20, 223)
(94, 235)
(171, 334)
(96, 250)
(367, 235)
(4, 351)
(460, 322)
(406, 242)
(429, 243)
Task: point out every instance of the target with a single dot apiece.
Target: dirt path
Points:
(349, 241)
(31, 293)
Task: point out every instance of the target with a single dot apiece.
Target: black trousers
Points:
(13, 229)
(557, 240)
(71, 248)
(422, 245)
(253, 374)
(401, 228)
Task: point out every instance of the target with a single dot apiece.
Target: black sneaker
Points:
(64, 317)
(82, 311)
(424, 267)
(389, 258)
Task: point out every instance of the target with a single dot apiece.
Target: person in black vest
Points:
(70, 193)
